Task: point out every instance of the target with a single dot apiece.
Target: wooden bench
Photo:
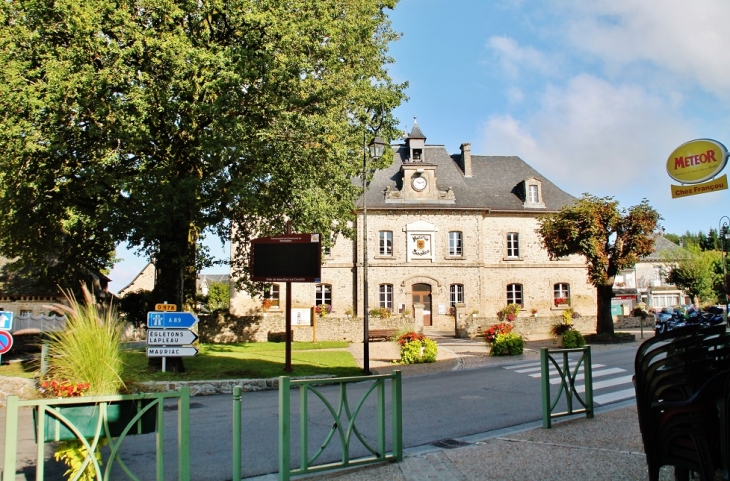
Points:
(381, 334)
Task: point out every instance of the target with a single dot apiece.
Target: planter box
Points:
(85, 417)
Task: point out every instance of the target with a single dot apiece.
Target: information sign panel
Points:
(6, 320)
(170, 337)
(173, 351)
(170, 319)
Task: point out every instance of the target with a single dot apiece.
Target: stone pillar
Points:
(418, 316)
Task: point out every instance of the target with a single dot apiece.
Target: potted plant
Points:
(323, 309)
(508, 313)
(86, 359)
(558, 329)
(416, 348)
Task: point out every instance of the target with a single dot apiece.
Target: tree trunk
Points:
(170, 266)
(604, 319)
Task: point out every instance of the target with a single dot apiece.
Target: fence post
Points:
(397, 409)
(588, 372)
(545, 378)
(284, 431)
(183, 426)
(11, 438)
(237, 433)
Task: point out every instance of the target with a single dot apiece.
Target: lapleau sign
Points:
(695, 162)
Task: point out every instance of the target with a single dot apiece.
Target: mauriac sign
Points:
(695, 163)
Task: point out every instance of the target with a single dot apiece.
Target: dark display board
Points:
(287, 258)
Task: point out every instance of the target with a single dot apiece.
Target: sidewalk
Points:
(607, 447)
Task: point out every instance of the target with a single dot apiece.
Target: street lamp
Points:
(375, 149)
(724, 232)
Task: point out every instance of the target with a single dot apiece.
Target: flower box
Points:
(85, 417)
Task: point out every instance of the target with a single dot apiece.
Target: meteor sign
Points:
(696, 162)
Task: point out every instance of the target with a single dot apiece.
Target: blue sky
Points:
(594, 95)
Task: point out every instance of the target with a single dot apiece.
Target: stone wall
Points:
(527, 325)
(232, 329)
(17, 386)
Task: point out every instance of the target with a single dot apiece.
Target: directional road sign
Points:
(6, 320)
(6, 341)
(174, 351)
(170, 319)
(170, 337)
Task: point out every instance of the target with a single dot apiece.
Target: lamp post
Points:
(375, 149)
(724, 232)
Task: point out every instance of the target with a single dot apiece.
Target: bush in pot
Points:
(509, 344)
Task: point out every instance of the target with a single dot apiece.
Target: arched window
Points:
(514, 294)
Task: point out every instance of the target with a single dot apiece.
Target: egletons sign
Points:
(696, 162)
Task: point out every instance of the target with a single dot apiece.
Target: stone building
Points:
(446, 231)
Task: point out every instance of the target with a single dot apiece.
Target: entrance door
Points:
(422, 294)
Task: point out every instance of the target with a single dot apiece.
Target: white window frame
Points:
(456, 294)
(323, 294)
(513, 245)
(533, 193)
(385, 296)
(515, 294)
(385, 243)
(273, 292)
(561, 289)
(456, 243)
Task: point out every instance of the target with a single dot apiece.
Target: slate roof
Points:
(494, 185)
(661, 243)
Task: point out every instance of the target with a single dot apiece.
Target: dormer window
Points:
(533, 193)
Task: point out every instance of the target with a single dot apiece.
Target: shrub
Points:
(493, 331)
(509, 344)
(323, 309)
(573, 339)
(382, 312)
(416, 348)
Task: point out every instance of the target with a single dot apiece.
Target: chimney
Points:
(466, 159)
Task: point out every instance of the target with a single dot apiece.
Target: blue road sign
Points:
(171, 319)
(6, 320)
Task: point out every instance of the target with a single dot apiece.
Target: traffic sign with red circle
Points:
(6, 341)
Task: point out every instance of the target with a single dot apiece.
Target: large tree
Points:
(610, 238)
(696, 271)
(152, 121)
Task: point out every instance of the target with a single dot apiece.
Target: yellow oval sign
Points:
(697, 161)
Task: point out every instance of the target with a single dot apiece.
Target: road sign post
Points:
(167, 332)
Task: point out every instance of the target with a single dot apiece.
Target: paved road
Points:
(437, 407)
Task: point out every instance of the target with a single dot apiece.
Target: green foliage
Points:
(567, 316)
(89, 349)
(134, 306)
(696, 271)
(72, 454)
(573, 339)
(156, 123)
(416, 348)
(219, 296)
(509, 344)
(610, 238)
(382, 312)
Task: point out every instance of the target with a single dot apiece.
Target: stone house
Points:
(449, 238)
(646, 282)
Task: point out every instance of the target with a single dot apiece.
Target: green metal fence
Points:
(93, 420)
(567, 382)
(343, 426)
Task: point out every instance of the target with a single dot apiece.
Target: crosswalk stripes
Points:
(533, 370)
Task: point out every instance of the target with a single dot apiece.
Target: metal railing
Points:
(567, 383)
(343, 426)
(95, 420)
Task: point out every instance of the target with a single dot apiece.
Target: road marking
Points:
(614, 396)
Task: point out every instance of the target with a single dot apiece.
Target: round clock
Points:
(419, 183)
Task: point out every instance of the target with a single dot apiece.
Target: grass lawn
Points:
(254, 360)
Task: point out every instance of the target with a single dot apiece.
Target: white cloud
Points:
(514, 58)
(683, 39)
(593, 136)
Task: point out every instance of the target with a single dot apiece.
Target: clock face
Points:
(419, 183)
